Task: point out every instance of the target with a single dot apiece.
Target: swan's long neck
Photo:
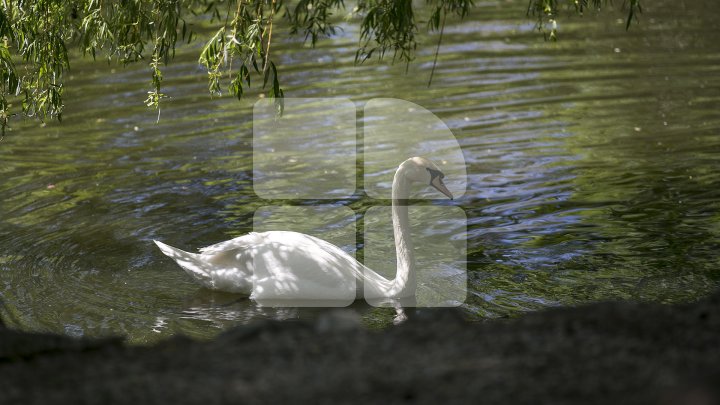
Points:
(404, 283)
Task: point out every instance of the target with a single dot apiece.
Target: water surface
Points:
(592, 163)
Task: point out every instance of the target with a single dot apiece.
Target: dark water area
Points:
(592, 170)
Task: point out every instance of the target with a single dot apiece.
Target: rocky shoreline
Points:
(605, 353)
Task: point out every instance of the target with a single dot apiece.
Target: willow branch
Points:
(437, 50)
(267, 49)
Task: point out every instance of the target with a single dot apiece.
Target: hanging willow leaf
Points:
(35, 37)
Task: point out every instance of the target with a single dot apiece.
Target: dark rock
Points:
(22, 346)
(607, 353)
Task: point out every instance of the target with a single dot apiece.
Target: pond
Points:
(592, 173)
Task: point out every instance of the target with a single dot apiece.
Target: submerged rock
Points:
(608, 353)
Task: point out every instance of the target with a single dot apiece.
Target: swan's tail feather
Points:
(191, 262)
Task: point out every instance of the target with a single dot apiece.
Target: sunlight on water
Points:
(592, 173)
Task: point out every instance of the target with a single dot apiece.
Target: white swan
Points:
(283, 265)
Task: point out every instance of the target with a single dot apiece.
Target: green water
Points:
(592, 173)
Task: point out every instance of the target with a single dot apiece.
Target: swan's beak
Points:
(440, 186)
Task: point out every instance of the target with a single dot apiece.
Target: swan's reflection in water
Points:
(219, 310)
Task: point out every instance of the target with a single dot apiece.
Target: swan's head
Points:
(421, 170)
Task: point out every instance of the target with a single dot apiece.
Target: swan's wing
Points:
(241, 242)
(299, 267)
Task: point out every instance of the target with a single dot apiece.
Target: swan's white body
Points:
(284, 265)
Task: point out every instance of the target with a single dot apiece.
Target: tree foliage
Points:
(36, 35)
(547, 11)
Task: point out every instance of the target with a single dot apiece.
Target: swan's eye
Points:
(435, 173)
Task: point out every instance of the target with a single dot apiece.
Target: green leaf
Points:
(267, 76)
(276, 82)
(245, 73)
